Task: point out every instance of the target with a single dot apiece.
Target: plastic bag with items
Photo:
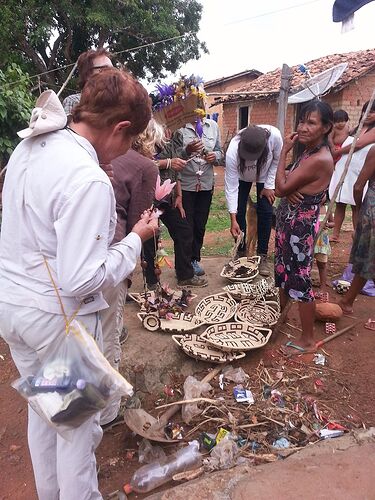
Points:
(74, 382)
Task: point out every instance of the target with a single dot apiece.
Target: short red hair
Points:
(112, 96)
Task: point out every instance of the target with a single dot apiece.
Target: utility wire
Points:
(271, 12)
(114, 53)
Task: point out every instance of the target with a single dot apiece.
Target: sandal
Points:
(370, 324)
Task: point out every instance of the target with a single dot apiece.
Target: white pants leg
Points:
(112, 323)
(63, 470)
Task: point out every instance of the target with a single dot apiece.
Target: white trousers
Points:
(112, 323)
(63, 470)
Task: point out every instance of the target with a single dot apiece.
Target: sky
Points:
(245, 34)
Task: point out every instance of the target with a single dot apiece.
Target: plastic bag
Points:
(224, 455)
(74, 382)
(148, 453)
(237, 375)
(193, 388)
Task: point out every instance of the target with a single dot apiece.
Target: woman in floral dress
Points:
(302, 190)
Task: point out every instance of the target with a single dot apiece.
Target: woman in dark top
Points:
(302, 191)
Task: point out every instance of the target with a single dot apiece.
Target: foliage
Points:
(16, 103)
(45, 35)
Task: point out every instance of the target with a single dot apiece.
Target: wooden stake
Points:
(286, 77)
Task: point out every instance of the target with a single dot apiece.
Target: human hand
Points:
(179, 206)
(235, 229)
(178, 164)
(295, 198)
(108, 169)
(269, 194)
(195, 146)
(147, 226)
(210, 157)
(289, 142)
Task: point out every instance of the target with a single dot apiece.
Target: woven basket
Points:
(179, 322)
(254, 291)
(140, 298)
(197, 348)
(263, 312)
(236, 336)
(216, 308)
(241, 270)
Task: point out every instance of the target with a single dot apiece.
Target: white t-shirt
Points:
(266, 175)
(58, 203)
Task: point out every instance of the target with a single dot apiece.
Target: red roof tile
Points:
(359, 64)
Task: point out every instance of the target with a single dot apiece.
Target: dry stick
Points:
(186, 401)
(67, 80)
(346, 168)
(337, 334)
(166, 416)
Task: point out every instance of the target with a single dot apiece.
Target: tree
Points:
(45, 35)
(16, 103)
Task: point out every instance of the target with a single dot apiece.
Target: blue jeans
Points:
(264, 215)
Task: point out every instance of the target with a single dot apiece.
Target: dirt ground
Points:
(152, 360)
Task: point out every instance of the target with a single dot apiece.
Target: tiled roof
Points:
(249, 72)
(359, 64)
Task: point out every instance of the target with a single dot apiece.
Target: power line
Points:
(271, 12)
(114, 53)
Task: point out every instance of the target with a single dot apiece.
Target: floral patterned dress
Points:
(362, 255)
(296, 228)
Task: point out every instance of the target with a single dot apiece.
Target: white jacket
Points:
(59, 203)
(267, 173)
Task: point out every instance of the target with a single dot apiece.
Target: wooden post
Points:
(286, 76)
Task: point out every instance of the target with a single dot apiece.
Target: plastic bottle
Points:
(155, 474)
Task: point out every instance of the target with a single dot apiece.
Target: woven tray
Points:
(236, 336)
(216, 308)
(261, 313)
(243, 269)
(241, 291)
(197, 348)
(179, 322)
(140, 298)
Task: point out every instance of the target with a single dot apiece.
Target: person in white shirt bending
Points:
(59, 208)
(252, 156)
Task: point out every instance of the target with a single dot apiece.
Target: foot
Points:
(263, 266)
(346, 308)
(195, 281)
(370, 324)
(334, 239)
(198, 269)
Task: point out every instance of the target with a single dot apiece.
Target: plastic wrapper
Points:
(224, 456)
(74, 382)
(193, 388)
(237, 375)
(148, 453)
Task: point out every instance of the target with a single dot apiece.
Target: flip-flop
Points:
(370, 324)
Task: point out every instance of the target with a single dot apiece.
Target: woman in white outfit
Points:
(345, 195)
(59, 205)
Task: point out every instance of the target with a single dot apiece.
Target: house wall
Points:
(351, 99)
(224, 86)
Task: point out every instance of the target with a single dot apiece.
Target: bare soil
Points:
(349, 387)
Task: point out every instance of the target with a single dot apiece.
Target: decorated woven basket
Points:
(140, 298)
(255, 291)
(175, 323)
(263, 312)
(197, 348)
(216, 308)
(236, 336)
(243, 269)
